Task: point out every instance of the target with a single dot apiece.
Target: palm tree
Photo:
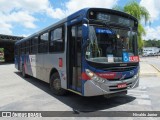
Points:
(139, 12)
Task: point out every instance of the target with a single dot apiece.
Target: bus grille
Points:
(119, 79)
(120, 69)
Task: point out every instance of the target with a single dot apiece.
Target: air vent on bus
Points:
(119, 79)
(120, 69)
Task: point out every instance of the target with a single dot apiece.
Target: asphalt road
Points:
(153, 61)
(30, 94)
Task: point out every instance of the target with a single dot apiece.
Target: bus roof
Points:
(82, 13)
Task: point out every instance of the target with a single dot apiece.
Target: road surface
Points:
(30, 94)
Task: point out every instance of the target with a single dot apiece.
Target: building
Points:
(7, 42)
(150, 51)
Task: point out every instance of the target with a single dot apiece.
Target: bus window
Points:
(57, 40)
(79, 39)
(23, 48)
(27, 47)
(34, 47)
(43, 43)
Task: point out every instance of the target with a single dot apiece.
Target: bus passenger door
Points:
(74, 47)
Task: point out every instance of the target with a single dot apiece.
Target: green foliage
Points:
(1, 49)
(139, 12)
(152, 43)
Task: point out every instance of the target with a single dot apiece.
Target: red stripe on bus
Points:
(110, 75)
(85, 76)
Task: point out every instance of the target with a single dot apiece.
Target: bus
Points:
(92, 52)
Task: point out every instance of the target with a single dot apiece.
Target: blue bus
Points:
(92, 52)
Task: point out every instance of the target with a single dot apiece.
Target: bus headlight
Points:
(89, 73)
(94, 77)
(136, 76)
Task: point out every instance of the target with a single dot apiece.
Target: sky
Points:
(25, 17)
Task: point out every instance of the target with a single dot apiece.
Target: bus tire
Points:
(23, 72)
(55, 85)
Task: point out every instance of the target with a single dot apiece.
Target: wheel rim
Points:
(57, 84)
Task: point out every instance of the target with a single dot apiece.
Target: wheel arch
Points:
(53, 70)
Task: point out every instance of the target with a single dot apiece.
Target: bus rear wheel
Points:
(55, 85)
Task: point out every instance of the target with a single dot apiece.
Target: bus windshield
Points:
(107, 45)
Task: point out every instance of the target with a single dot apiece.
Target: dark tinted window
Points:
(57, 40)
(34, 45)
(27, 46)
(23, 48)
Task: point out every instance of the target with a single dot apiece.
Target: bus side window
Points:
(27, 46)
(43, 43)
(31, 48)
(23, 47)
(34, 46)
(57, 40)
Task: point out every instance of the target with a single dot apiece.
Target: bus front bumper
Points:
(94, 88)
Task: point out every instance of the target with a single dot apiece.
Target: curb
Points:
(155, 67)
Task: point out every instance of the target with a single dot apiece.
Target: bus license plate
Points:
(122, 85)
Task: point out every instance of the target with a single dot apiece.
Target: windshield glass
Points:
(110, 45)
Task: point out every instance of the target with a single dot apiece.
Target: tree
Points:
(1, 49)
(139, 12)
(152, 43)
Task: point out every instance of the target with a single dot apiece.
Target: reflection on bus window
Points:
(106, 41)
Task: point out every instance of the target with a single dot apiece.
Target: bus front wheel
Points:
(55, 84)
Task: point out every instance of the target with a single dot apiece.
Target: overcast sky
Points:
(24, 17)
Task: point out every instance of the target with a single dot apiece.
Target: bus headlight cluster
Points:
(136, 76)
(93, 76)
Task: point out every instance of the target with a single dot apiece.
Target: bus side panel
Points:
(16, 61)
(25, 63)
(52, 61)
(21, 62)
(49, 63)
(47, 66)
(33, 67)
(40, 66)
